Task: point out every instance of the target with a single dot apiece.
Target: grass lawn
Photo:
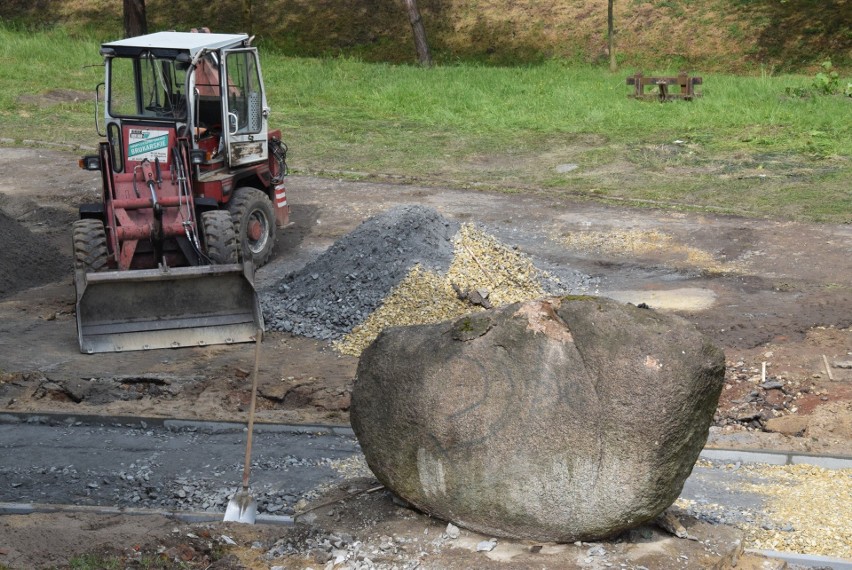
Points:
(745, 146)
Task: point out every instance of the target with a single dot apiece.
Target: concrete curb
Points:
(806, 560)
(777, 458)
(140, 422)
(710, 454)
(721, 454)
(186, 516)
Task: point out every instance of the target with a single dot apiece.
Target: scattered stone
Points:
(671, 524)
(276, 390)
(486, 545)
(788, 425)
(566, 168)
(452, 531)
(596, 550)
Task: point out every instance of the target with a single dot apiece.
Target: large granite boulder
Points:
(560, 420)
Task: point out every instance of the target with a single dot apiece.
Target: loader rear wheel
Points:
(219, 237)
(254, 222)
(90, 245)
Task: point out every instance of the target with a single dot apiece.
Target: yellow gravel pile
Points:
(808, 508)
(481, 263)
(816, 502)
(636, 243)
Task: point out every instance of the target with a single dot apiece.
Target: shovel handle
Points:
(247, 463)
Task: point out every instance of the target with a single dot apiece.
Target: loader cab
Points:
(147, 87)
(230, 106)
(205, 87)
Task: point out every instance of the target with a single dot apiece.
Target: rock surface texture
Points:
(560, 420)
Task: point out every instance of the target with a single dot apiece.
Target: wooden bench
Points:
(664, 87)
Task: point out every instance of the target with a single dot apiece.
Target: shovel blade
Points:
(144, 309)
(242, 508)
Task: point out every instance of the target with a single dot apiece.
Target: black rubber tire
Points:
(90, 245)
(247, 206)
(220, 239)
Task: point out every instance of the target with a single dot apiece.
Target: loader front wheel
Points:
(254, 223)
(219, 237)
(90, 245)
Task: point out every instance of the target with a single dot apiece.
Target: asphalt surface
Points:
(195, 467)
(174, 466)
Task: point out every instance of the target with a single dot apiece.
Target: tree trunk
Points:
(610, 36)
(420, 42)
(135, 23)
(248, 17)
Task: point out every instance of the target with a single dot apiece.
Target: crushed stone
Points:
(637, 243)
(407, 266)
(340, 288)
(481, 264)
(803, 507)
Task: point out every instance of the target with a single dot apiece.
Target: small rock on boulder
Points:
(560, 420)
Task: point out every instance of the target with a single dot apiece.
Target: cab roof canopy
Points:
(172, 44)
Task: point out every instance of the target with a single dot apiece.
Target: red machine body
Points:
(192, 179)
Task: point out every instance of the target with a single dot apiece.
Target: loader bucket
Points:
(144, 309)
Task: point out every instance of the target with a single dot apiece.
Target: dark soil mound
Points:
(27, 260)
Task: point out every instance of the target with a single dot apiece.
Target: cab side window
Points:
(244, 93)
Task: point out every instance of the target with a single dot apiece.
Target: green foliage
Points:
(94, 562)
(825, 82)
(117, 562)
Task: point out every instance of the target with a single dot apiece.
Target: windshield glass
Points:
(147, 87)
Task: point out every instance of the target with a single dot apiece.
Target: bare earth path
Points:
(773, 294)
(766, 291)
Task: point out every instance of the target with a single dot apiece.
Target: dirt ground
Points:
(777, 296)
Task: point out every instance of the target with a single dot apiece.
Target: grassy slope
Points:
(701, 35)
(744, 147)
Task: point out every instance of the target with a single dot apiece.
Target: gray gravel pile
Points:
(339, 289)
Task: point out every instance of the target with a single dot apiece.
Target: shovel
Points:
(243, 507)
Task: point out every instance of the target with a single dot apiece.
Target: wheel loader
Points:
(193, 194)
